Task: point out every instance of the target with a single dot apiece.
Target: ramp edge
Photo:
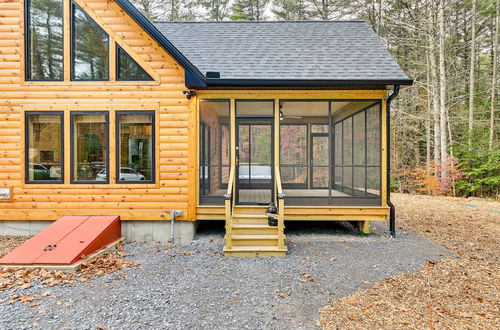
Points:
(73, 267)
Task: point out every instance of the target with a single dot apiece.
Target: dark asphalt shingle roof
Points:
(312, 50)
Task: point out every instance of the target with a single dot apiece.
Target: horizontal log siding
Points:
(131, 202)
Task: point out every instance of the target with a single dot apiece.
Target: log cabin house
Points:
(103, 112)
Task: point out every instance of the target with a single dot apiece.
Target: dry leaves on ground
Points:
(8, 243)
(21, 278)
(457, 293)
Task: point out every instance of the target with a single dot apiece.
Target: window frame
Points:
(73, 41)
(27, 44)
(27, 148)
(72, 150)
(118, 150)
(117, 69)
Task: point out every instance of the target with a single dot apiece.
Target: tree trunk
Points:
(434, 85)
(494, 77)
(442, 95)
(471, 73)
(428, 121)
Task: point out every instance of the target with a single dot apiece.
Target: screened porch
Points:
(328, 151)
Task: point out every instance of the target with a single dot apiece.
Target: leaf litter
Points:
(461, 291)
(23, 278)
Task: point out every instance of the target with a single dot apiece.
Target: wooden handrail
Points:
(230, 184)
(228, 206)
(280, 203)
(277, 175)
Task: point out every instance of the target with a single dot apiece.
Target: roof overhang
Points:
(193, 76)
(216, 82)
(195, 79)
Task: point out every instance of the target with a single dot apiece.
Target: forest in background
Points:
(445, 128)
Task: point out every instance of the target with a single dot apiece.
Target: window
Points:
(89, 144)
(44, 147)
(44, 40)
(127, 68)
(90, 48)
(135, 145)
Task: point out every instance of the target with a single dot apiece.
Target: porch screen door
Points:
(254, 161)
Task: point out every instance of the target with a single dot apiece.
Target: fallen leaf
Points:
(353, 318)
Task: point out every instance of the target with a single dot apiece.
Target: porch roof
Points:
(300, 53)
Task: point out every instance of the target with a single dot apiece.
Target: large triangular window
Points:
(127, 68)
(90, 48)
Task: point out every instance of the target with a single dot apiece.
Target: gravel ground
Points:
(194, 286)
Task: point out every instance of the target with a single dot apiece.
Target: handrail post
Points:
(227, 203)
(228, 207)
(281, 224)
(280, 203)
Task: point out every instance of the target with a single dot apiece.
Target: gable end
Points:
(193, 77)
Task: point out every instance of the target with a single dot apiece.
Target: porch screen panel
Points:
(305, 151)
(293, 155)
(373, 143)
(357, 156)
(44, 147)
(215, 151)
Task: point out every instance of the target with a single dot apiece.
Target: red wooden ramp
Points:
(66, 241)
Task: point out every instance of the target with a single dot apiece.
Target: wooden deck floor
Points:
(264, 195)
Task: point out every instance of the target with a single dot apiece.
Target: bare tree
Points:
(434, 84)
(493, 105)
(471, 73)
(442, 94)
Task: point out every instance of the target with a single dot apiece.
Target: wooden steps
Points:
(254, 251)
(251, 236)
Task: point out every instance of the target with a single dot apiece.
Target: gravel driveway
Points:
(194, 286)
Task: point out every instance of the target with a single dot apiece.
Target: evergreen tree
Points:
(290, 10)
(248, 10)
(216, 10)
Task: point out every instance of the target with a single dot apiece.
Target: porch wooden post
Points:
(232, 119)
(276, 136)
